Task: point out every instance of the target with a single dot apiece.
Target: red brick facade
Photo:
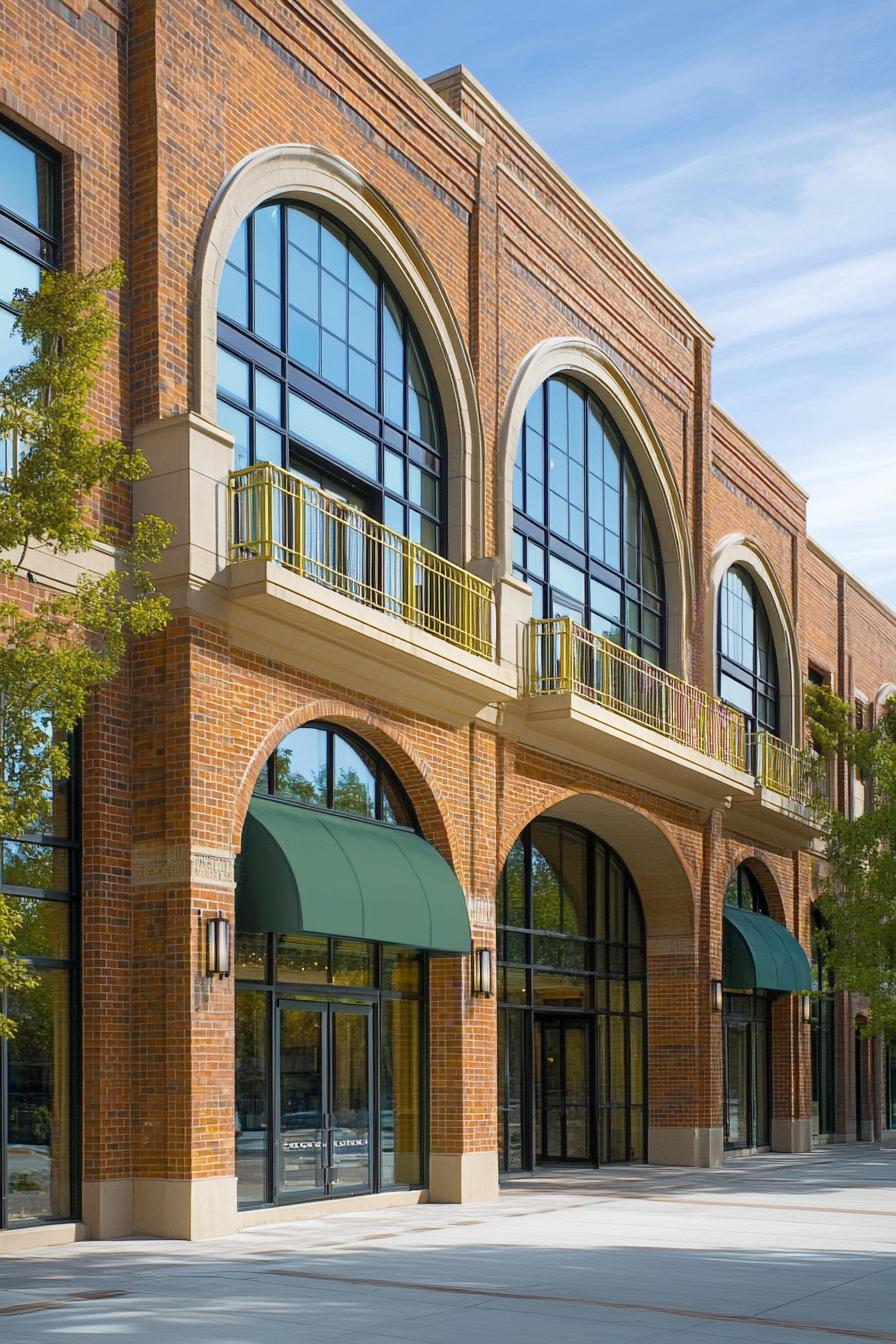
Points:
(151, 106)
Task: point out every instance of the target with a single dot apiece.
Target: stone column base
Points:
(107, 1207)
(463, 1178)
(685, 1146)
(791, 1136)
(187, 1210)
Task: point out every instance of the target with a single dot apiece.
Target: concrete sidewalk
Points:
(771, 1250)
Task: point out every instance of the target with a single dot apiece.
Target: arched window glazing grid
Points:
(747, 664)
(584, 536)
(321, 370)
(571, 939)
(326, 767)
(743, 890)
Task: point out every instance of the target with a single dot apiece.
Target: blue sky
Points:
(747, 149)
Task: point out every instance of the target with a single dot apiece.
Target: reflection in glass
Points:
(302, 1159)
(354, 782)
(39, 1100)
(251, 1097)
(250, 956)
(302, 959)
(351, 1155)
(45, 930)
(300, 767)
(400, 1099)
(352, 962)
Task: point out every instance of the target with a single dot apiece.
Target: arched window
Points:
(327, 767)
(747, 665)
(572, 1001)
(743, 890)
(584, 537)
(321, 370)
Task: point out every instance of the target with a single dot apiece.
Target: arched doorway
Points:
(340, 903)
(761, 960)
(571, 1002)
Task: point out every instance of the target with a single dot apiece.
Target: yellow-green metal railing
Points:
(563, 656)
(782, 768)
(274, 515)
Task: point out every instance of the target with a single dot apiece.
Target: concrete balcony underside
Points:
(287, 615)
(579, 729)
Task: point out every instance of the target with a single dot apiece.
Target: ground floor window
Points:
(330, 1037)
(890, 1083)
(747, 1069)
(38, 1077)
(572, 1003)
(823, 1064)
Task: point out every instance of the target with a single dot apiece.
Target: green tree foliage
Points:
(858, 886)
(56, 650)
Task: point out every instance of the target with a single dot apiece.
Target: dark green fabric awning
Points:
(308, 871)
(759, 953)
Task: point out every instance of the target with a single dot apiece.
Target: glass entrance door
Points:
(746, 1024)
(325, 1100)
(562, 1090)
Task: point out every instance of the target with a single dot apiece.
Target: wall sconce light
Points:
(715, 988)
(217, 946)
(481, 972)
(806, 1006)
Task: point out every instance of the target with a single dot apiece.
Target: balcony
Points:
(657, 731)
(319, 566)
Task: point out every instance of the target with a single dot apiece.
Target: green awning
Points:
(759, 953)
(308, 871)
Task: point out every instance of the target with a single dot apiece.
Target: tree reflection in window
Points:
(330, 768)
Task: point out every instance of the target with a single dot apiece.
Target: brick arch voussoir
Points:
(414, 773)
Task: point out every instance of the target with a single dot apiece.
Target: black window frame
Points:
(606, 961)
(750, 678)
(530, 530)
(71, 843)
(744, 891)
(276, 362)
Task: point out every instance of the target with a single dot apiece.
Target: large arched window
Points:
(321, 370)
(572, 1002)
(584, 537)
(747, 665)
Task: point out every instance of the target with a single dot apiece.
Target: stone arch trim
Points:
(319, 178)
(886, 692)
(649, 851)
(585, 361)
(738, 549)
(414, 774)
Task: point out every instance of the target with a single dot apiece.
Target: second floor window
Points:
(29, 240)
(584, 537)
(747, 665)
(321, 370)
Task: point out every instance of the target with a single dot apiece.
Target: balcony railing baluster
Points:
(275, 515)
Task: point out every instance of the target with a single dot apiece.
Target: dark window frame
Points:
(607, 961)
(750, 678)
(72, 966)
(529, 530)
(276, 362)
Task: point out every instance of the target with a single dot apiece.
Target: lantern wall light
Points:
(217, 946)
(481, 972)
(716, 995)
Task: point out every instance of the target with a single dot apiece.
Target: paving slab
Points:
(765, 1250)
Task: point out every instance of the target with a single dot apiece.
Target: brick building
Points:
(476, 727)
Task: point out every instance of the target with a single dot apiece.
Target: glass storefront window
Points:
(400, 1093)
(571, 988)
(311, 1127)
(38, 1067)
(251, 1096)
